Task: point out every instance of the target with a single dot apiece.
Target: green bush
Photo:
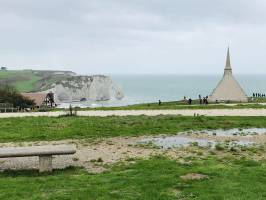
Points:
(10, 96)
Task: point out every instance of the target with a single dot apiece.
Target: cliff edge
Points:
(82, 88)
(66, 85)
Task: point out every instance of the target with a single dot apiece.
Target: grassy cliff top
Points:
(32, 80)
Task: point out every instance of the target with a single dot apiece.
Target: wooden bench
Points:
(45, 154)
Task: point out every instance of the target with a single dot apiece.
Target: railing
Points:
(5, 110)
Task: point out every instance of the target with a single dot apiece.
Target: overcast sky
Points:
(133, 36)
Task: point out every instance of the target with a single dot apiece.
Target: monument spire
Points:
(228, 69)
(228, 89)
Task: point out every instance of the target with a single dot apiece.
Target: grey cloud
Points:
(120, 36)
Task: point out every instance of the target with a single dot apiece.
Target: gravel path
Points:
(91, 156)
(185, 112)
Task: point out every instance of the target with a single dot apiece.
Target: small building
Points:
(228, 89)
(41, 99)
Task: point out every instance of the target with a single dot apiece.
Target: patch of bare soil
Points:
(194, 176)
(95, 156)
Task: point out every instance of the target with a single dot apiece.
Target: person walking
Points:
(200, 99)
(190, 101)
(206, 101)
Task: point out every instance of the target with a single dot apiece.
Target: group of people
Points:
(259, 95)
(203, 100)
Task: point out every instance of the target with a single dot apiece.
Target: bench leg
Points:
(45, 163)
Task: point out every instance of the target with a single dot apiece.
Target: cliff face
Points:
(66, 85)
(76, 88)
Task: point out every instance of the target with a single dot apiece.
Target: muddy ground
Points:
(96, 156)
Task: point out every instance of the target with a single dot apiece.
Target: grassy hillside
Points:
(31, 80)
(24, 80)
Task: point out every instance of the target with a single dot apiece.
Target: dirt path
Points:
(185, 112)
(91, 156)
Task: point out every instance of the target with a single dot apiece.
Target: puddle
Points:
(236, 137)
(230, 132)
(183, 141)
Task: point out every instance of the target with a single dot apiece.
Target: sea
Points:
(152, 88)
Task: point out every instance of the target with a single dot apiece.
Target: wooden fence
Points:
(6, 107)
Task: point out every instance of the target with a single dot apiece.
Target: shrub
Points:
(9, 95)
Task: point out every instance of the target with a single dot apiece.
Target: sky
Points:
(133, 36)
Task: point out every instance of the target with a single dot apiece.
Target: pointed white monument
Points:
(228, 89)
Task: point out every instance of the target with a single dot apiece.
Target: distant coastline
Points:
(150, 88)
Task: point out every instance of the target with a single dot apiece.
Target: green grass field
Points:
(178, 106)
(45, 128)
(30, 80)
(231, 175)
(28, 85)
(175, 105)
(156, 178)
(22, 80)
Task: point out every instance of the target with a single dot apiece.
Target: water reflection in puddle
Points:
(183, 141)
(235, 136)
(230, 132)
(175, 141)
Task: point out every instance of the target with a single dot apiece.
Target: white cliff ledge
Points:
(77, 88)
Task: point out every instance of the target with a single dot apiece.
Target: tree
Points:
(9, 95)
(3, 68)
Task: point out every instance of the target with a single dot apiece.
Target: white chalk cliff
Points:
(76, 88)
